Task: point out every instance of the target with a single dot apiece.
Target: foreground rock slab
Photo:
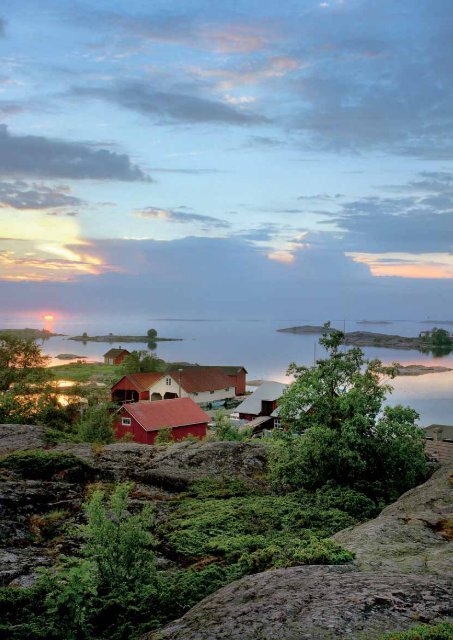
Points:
(316, 603)
(412, 535)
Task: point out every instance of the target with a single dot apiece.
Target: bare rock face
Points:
(175, 467)
(412, 535)
(20, 437)
(313, 603)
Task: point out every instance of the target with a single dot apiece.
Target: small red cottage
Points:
(145, 419)
(115, 356)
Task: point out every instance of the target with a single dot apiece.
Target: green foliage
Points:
(338, 431)
(96, 424)
(224, 430)
(152, 334)
(21, 362)
(218, 488)
(443, 631)
(44, 465)
(141, 362)
(256, 532)
(164, 436)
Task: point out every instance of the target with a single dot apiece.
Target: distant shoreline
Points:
(116, 338)
(367, 338)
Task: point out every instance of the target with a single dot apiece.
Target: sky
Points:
(250, 158)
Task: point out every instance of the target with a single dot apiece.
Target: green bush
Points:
(218, 488)
(443, 631)
(44, 465)
(282, 530)
(96, 424)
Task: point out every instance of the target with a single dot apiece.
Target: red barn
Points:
(145, 419)
(134, 387)
(115, 356)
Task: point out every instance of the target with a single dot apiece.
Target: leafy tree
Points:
(152, 334)
(164, 436)
(347, 436)
(141, 362)
(224, 430)
(99, 594)
(21, 362)
(441, 338)
(96, 424)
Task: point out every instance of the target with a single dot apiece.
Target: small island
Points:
(374, 322)
(439, 341)
(419, 369)
(31, 334)
(151, 336)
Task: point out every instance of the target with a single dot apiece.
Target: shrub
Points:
(44, 465)
(164, 436)
(96, 424)
(443, 631)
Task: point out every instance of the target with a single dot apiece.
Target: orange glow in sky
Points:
(406, 265)
(49, 316)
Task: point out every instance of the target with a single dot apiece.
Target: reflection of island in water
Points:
(437, 342)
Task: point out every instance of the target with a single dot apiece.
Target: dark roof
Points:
(196, 379)
(162, 414)
(141, 381)
(114, 353)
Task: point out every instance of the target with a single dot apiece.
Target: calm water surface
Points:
(257, 345)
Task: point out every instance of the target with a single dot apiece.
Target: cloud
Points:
(21, 195)
(250, 73)
(232, 37)
(10, 108)
(406, 265)
(41, 157)
(170, 105)
(181, 217)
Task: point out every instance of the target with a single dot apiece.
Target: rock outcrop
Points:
(159, 472)
(412, 535)
(313, 603)
(402, 575)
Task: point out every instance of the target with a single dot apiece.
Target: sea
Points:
(255, 344)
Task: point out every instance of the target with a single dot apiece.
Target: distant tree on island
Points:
(441, 338)
(152, 334)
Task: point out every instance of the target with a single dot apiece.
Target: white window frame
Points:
(168, 382)
(126, 422)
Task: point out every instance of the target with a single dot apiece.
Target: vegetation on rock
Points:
(338, 430)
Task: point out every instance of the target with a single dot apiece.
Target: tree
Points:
(114, 581)
(152, 334)
(441, 338)
(96, 424)
(141, 362)
(337, 428)
(224, 430)
(21, 362)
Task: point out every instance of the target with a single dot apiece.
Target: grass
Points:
(85, 372)
(443, 631)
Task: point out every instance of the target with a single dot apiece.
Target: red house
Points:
(115, 356)
(145, 419)
(134, 387)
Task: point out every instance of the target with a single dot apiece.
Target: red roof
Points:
(196, 379)
(161, 414)
(141, 381)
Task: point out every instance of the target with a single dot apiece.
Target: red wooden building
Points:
(134, 387)
(145, 419)
(115, 356)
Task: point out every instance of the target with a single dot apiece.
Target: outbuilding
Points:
(144, 420)
(115, 356)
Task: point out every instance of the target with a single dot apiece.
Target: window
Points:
(211, 392)
(277, 423)
(195, 393)
(126, 422)
(227, 388)
(168, 382)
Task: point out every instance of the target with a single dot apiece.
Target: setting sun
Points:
(49, 316)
